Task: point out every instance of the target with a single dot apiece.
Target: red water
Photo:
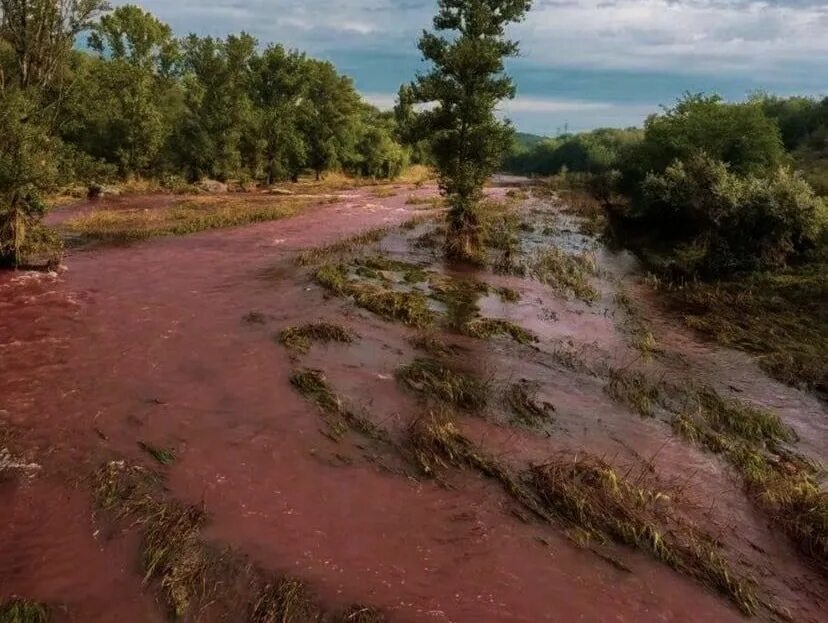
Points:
(147, 343)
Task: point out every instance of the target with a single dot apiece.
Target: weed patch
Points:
(314, 387)
(487, 328)
(23, 611)
(598, 504)
(567, 274)
(435, 381)
(410, 308)
(187, 217)
(164, 456)
(299, 339)
(521, 398)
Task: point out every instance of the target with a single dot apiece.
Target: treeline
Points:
(145, 103)
(138, 102)
(726, 187)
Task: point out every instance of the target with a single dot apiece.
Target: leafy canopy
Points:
(464, 86)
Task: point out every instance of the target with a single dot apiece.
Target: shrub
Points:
(727, 223)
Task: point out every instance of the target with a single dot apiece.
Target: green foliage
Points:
(739, 135)
(332, 126)
(466, 82)
(36, 38)
(599, 151)
(728, 222)
(130, 84)
(23, 611)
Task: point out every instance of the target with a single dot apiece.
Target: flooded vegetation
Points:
(417, 376)
(256, 367)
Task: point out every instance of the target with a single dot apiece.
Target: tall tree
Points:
(331, 124)
(217, 76)
(36, 38)
(278, 91)
(465, 84)
(140, 54)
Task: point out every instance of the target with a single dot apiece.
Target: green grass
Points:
(434, 381)
(195, 577)
(487, 328)
(299, 339)
(521, 398)
(286, 599)
(314, 387)
(347, 245)
(410, 308)
(599, 504)
(636, 390)
(779, 317)
(568, 274)
(184, 217)
(23, 611)
(164, 456)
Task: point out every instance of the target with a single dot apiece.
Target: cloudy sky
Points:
(583, 64)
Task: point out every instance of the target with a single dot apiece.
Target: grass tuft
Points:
(23, 611)
(487, 328)
(522, 400)
(410, 308)
(172, 551)
(313, 385)
(567, 274)
(299, 339)
(185, 217)
(593, 499)
(164, 456)
(433, 380)
(634, 389)
(361, 614)
(321, 254)
(285, 601)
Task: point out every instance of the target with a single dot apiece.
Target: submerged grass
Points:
(601, 505)
(783, 485)
(436, 444)
(285, 600)
(194, 576)
(635, 389)
(350, 244)
(313, 385)
(566, 273)
(299, 339)
(164, 456)
(435, 381)
(410, 308)
(23, 611)
(752, 440)
(173, 553)
(487, 328)
(521, 398)
(778, 317)
(185, 217)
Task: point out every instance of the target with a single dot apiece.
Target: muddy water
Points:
(147, 343)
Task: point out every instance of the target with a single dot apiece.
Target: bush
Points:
(727, 223)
